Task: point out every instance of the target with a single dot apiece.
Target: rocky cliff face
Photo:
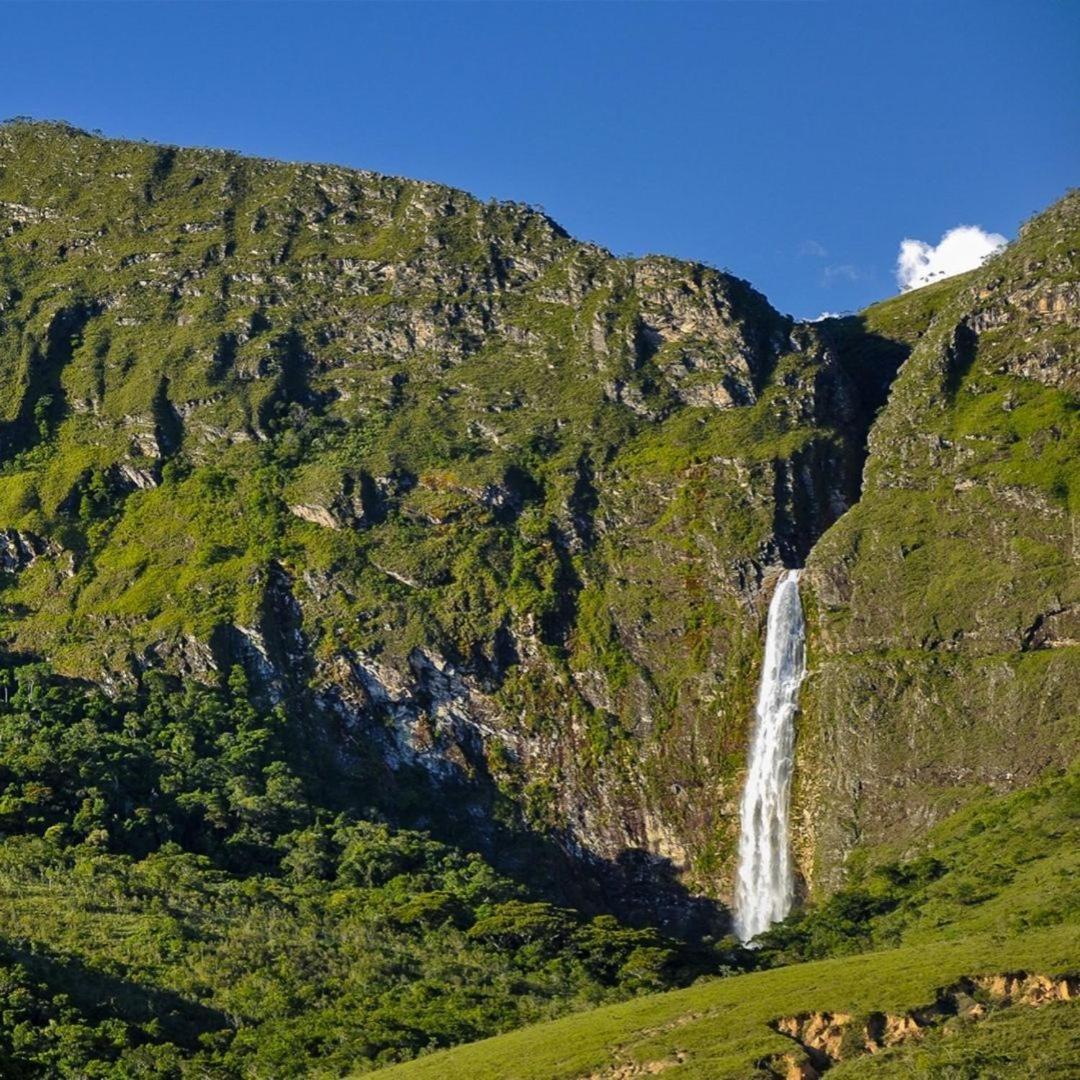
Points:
(486, 505)
(946, 650)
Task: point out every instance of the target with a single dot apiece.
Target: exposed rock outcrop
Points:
(827, 1038)
(19, 549)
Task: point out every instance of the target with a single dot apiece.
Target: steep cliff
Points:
(948, 600)
(488, 508)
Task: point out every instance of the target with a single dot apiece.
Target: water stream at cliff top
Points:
(765, 883)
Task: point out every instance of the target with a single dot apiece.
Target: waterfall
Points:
(764, 885)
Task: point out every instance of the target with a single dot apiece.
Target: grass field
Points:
(720, 1028)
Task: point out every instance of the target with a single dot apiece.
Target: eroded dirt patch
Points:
(625, 1069)
(632, 1069)
(825, 1038)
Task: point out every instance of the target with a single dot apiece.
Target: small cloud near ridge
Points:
(960, 249)
(840, 272)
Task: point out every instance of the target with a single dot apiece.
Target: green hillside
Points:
(948, 597)
(992, 891)
(723, 1029)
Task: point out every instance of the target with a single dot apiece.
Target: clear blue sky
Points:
(795, 144)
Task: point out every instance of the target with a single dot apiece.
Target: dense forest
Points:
(179, 894)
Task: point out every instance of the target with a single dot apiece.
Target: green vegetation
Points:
(720, 1029)
(1003, 866)
(991, 890)
(178, 896)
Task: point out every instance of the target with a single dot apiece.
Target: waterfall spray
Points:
(765, 885)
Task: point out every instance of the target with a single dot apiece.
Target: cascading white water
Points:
(764, 885)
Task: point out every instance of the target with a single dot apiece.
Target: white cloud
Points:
(840, 272)
(960, 249)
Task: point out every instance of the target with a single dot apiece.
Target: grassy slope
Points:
(723, 1025)
(1004, 901)
(1016, 1042)
(1013, 863)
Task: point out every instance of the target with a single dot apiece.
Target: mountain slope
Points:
(724, 1029)
(467, 494)
(947, 635)
(474, 499)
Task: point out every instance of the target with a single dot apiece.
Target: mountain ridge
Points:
(692, 304)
